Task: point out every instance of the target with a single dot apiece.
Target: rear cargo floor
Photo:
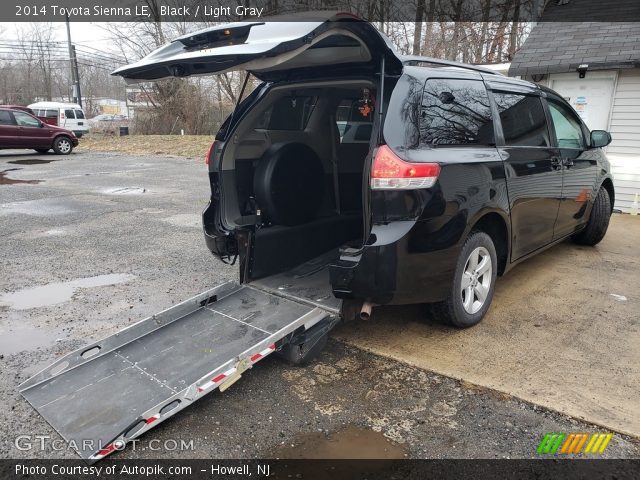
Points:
(308, 282)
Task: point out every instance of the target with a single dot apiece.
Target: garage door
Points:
(591, 97)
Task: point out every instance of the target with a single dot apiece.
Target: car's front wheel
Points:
(62, 146)
(598, 222)
(473, 283)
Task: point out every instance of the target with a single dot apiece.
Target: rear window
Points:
(69, 114)
(523, 120)
(79, 113)
(5, 118)
(455, 112)
(288, 113)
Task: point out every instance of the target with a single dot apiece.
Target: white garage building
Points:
(607, 96)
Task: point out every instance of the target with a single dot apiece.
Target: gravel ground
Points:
(137, 218)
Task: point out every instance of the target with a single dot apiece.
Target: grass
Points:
(190, 146)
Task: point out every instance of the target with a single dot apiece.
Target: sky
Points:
(85, 33)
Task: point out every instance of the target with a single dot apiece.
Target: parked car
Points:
(107, 118)
(465, 173)
(65, 115)
(18, 107)
(19, 129)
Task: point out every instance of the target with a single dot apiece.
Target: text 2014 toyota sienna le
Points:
(354, 176)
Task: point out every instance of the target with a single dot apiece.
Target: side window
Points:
(523, 120)
(288, 113)
(5, 118)
(567, 128)
(455, 112)
(353, 122)
(51, 113)
(68, 113)
(25, 120)
(79, 113)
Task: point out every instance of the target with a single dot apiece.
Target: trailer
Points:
(110, 392)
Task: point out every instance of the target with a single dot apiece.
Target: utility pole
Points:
(73, 62)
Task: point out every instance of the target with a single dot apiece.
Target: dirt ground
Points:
(94, 242)
(563, 331)
(191, 146)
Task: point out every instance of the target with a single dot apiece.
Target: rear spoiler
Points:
(413, 59)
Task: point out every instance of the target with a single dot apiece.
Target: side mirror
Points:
(600, 138)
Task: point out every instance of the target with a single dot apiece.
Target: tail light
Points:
(390, 172)
(210, 152)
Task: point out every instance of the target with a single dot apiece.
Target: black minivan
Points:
(352, 176)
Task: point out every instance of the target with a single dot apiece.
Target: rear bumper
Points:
(400, 267)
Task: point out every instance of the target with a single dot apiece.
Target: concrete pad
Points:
(563, 332)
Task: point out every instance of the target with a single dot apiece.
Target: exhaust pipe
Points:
(365, 311)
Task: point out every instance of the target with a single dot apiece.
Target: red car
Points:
(19, 129)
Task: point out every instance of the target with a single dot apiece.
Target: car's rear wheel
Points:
(42, 150)
(598, 222)
(473, 284)
(62, 146)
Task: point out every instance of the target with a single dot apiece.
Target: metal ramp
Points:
(107, 393)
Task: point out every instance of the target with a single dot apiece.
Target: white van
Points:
(65, 115)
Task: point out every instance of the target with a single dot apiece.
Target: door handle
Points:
(556, 163)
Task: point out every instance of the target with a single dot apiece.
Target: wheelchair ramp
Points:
(103, 395)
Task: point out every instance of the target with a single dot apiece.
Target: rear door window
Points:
(68, 113)
(523, 121)
(5, 118)
(455, 112)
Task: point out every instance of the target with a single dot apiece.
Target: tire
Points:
(302, 354)
(42, 150)
(598, 222)
(465, 307)
(62, 145)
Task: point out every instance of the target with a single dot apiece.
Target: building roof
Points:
(591, 11)
(558, 47)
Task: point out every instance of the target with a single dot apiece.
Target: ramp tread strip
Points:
(143, 371)
(237, 320)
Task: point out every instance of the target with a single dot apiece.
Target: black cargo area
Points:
(298, 167)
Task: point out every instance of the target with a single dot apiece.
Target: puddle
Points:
(60, 292)
(350, 443)
(31, 161)
(4, 180)
(20, 339)
(39, 208)
(124, 191)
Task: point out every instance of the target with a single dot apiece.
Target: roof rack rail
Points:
(410, 59)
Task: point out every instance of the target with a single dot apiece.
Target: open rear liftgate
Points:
(105, 394)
